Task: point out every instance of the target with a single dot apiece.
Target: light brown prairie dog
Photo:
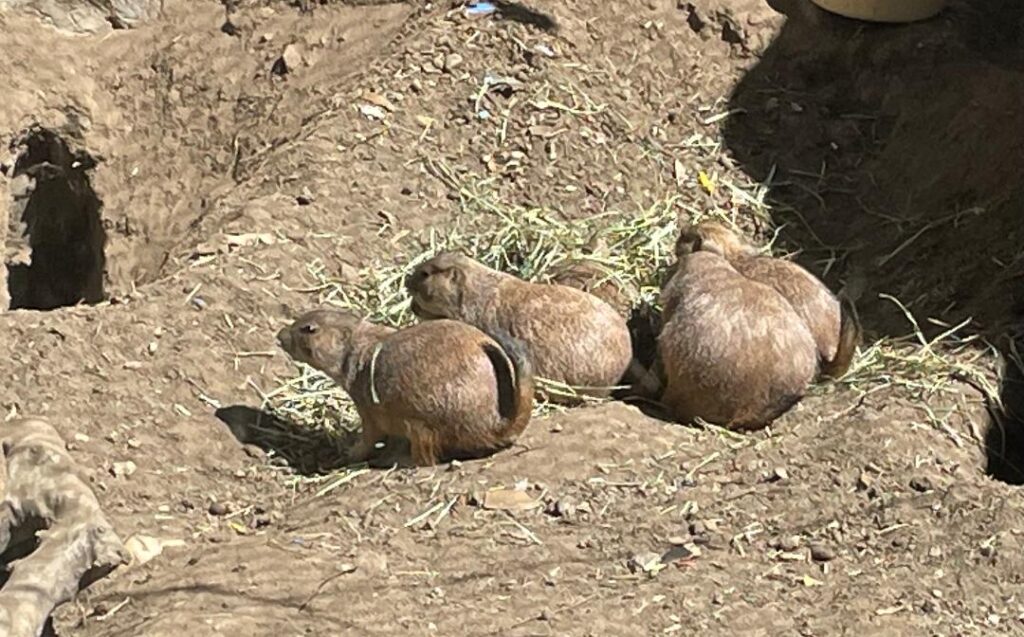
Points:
(832, 322)
(573, 337)
(733, 351)
(447, 387)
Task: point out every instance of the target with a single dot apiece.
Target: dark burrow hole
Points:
(1004, 439)
(55, 237)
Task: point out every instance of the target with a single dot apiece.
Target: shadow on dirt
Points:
(892, 156)
(517, 12)
(307, 451)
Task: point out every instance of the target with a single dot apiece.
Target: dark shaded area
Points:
(1004, 439)
(56, 241)
(893, 155)
(18, 543)
(517, 12)
(315, 452)
(308, 451)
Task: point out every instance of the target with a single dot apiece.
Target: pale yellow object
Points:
(883, 10)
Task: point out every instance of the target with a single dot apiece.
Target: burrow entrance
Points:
(54, 248)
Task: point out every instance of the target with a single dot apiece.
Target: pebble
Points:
(822, 553)
(292, 57)
(644, 562)
(124, 469)
(451, 61)
(921, 484)
(218, 509)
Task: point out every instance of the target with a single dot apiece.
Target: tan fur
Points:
(573, 337)
(442, 385)
(593, 277)
(733, 351)
(586, 272)
(835, 328)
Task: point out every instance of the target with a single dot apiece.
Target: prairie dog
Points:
(445, 386)
(573, 337)
(733, 351)
(832, 322)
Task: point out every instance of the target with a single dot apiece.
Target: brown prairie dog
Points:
(587, 273)
(733, 351)
(573, 337)
(445, 386)
(832, 322)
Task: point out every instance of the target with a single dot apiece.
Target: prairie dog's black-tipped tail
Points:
(850, 334)
(514, 371)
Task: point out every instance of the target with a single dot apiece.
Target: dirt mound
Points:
(237, 167)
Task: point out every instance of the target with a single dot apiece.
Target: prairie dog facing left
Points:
(574, 338)
(446, 386)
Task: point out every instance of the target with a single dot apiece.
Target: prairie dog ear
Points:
(457, 275)
(688, 241)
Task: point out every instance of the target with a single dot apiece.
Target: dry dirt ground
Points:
(214, 171)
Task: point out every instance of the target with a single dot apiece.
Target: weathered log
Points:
(45, 498)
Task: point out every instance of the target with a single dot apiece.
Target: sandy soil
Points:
(207, 165)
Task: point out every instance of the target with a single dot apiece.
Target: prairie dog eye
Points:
(309, 328)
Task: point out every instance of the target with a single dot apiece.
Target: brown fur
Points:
(733, 351)
(573, 337)
(833, 324)
(586, 272)
(445, 386)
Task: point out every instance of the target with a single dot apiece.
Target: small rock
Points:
(556, 427)
(144, 548)
(292, 57)
(821, 552)
(123, 469)
(789, 543)
(509, 500)
(218, 509)
(289, 61)
(680, 553)
(562, 508)
(921, 484)
(81, 438)
(646, 562)
(864, 481)
(779, 473)
(198, 303)
(451, 61)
